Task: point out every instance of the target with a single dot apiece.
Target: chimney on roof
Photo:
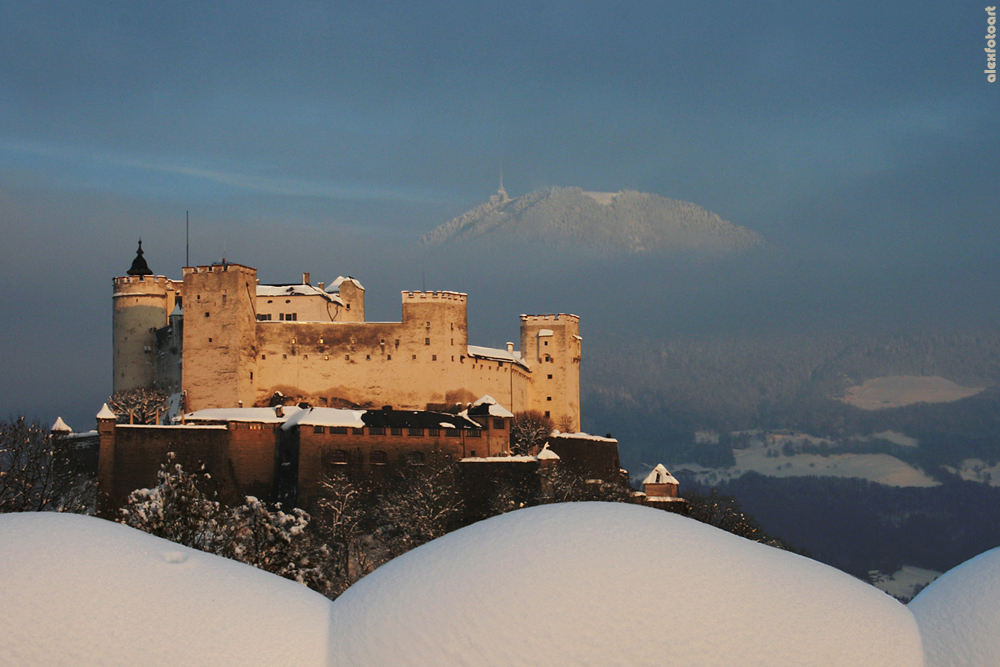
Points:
(510, 347)
(305, 278)
(387, 407)
(321, 285)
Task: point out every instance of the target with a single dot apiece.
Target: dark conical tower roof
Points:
(139, 266)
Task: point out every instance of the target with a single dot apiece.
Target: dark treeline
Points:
(857, 526)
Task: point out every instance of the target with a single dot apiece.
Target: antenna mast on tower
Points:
(187, 238)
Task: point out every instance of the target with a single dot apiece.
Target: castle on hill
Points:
(222, 339)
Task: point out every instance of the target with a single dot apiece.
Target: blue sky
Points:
(312, 135)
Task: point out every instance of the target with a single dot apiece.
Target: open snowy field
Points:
(898, 390)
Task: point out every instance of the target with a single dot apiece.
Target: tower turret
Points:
(141, 302)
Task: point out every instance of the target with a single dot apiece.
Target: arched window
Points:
(415, 458)
(378, 457)
(338, 457)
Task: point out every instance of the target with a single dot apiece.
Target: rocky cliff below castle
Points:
(609, 222)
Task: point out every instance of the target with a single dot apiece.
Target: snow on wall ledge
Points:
(611, 584)
(77, 590)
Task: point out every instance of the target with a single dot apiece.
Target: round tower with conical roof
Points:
(142, 302)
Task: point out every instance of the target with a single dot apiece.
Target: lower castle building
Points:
(223, 340)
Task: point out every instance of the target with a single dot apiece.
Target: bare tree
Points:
(418, 506)
(37, 471)
(528, 430)
(138, 406)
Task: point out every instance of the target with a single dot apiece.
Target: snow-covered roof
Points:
(495, 409)
(334, 286)
(660, 475)
(497, 354)
(581, 436)
(295, 290)
(60, 425)
(106, 413)
(498, 459)
(256, 415)
(325, 417)
(547, 454)
(544, 333)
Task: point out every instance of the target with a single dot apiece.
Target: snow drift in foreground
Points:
(959, 614)
(611, 584)
(75, 590)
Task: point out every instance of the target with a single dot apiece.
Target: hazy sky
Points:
(327, 136)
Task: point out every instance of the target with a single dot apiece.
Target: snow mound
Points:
(959, 614)
(83, 591)
(611, 584)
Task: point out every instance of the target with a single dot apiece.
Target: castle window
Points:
(433, 432)
(451, 432)
(264, 318)
(199, 297)
(288, 300)
(206, 313)
(320, 341)
(326, 357)
(209, 340)
(338, 430)
(548, 398)
(318, 429)
(415, 458)
(427, 341)
(397, 342)
(546, 343)
(428, 325)
(416, 432)
(396, 430)
(347, 357)
(263, 357)
(434, 357)
(498, 424)
(338, 457)
(251, 375)
(550, 376)
(284, 356)
(452, 341)
(547, 414)
(378, 457)
(270, 301)
(358, 431)
(368, 357)
(414, 357)
(376, 430)
(475, 433)
(388, 357)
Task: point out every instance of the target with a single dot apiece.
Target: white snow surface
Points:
(78, 590)
(613, 584)
(326, 417)
(496, 410)
(959, 614)
(105, 413)
(256, 415)
(60, 425)
(660, 475)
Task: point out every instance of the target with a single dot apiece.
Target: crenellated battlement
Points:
(434, 296)
(129, 284)
(218, 268)
(557, 317)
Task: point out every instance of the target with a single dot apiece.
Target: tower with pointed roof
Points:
(142, 303)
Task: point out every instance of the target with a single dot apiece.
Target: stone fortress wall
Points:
(240, 342)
